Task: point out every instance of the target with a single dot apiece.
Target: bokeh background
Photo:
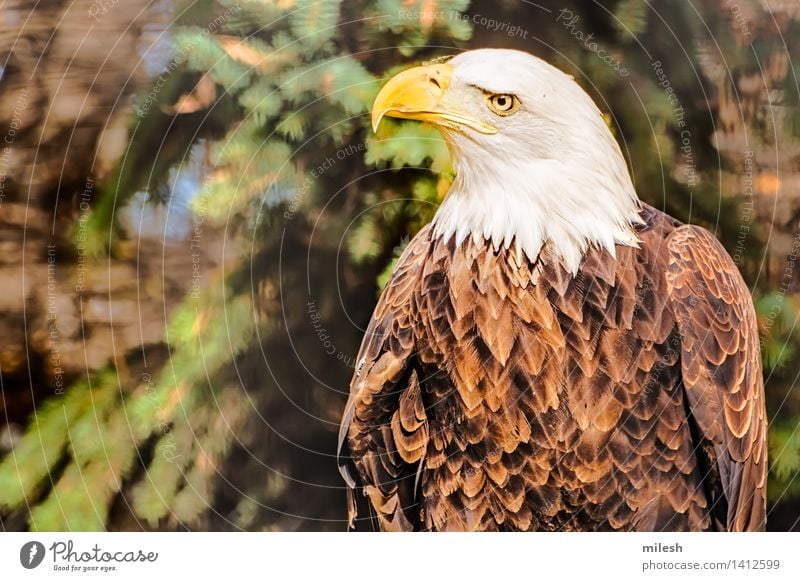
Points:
(196, 220)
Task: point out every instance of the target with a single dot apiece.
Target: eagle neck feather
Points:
(569, 205)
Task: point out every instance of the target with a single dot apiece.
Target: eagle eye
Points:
(503, 104)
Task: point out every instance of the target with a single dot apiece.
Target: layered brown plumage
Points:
(493, 392)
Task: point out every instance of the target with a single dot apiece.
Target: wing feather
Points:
(721, 367)
(384, 424)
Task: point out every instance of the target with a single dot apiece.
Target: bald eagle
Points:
(550, 353)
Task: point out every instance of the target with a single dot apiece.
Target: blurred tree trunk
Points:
(65, 104)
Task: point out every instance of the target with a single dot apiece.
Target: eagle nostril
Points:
(435, 82)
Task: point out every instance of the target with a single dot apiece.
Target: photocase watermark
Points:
(784, 287)
(198, 218)
(31, 554)
(510, 30)
(52, 321)
(8, 140)
(688, 161)
(16, 117)
(167, 446)
(82, 227)
(178, 60)
(428, 17)
(788, 277)
(569, 21)
(747, 209)
(100, 8)
(66, 557)
(316, 172)
(324, 337)
(739, 18)
(667, 361)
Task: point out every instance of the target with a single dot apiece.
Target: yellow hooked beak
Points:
(419, 93)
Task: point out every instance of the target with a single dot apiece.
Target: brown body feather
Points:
(493, 393)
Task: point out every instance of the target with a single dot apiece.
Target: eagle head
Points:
(536, 164)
